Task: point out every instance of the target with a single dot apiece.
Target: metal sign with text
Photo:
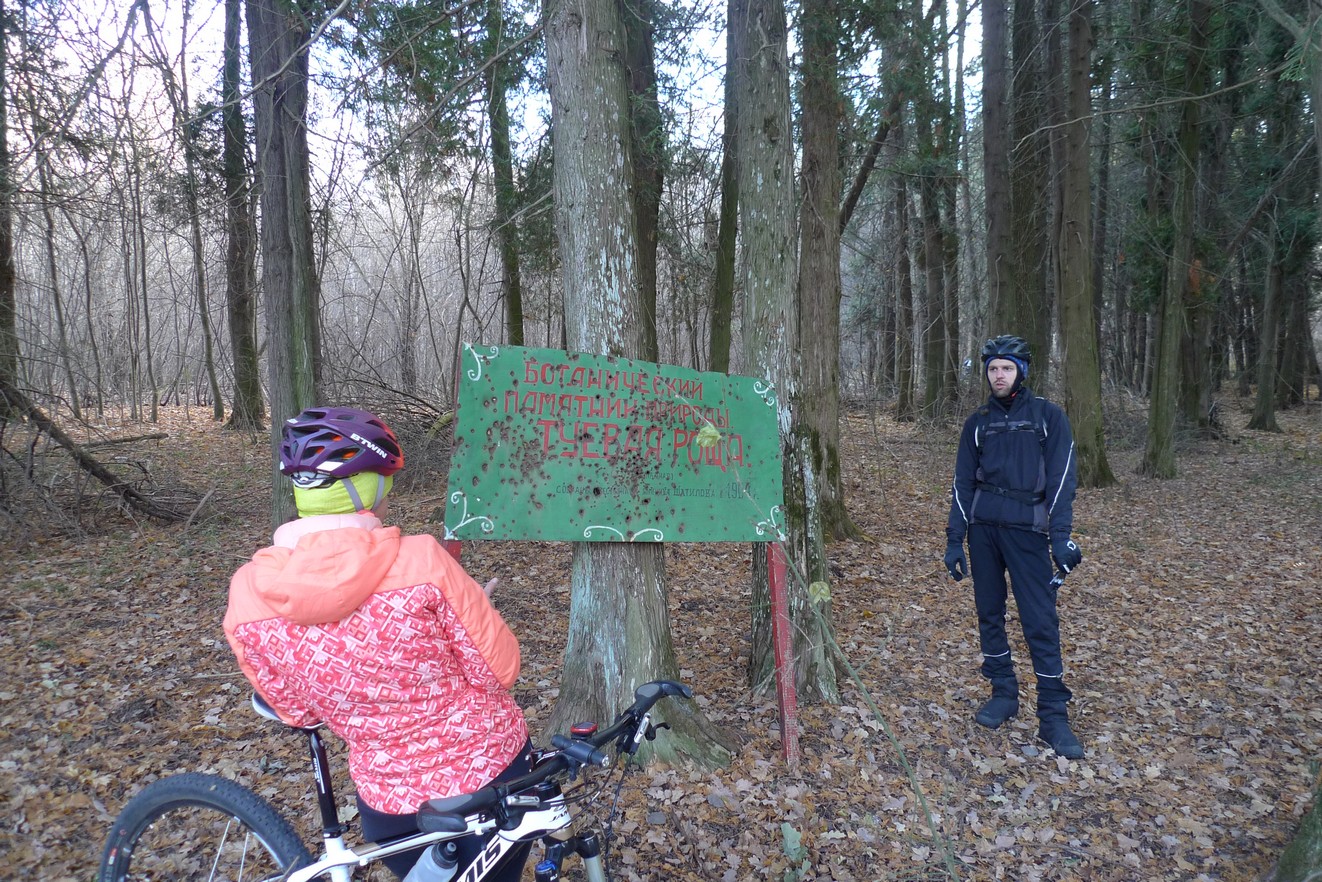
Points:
(568, 446)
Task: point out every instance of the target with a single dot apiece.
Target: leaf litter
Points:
(1190, 635)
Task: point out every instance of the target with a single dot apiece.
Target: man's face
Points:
(1001, 374)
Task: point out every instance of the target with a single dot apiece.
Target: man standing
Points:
(1013, 498)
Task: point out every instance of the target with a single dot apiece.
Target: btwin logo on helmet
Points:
(369, 445)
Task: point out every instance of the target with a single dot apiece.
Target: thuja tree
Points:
(278, 37)
(619, 627)
(770, 332)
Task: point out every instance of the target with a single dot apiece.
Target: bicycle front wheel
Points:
(196, 827)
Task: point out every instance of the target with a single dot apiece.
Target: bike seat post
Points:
(330, 816)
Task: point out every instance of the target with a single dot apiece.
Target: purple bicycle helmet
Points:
(338, 442)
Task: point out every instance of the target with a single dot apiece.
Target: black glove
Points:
(956, 563)
(1066, 554)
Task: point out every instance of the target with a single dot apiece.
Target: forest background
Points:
(846, 201)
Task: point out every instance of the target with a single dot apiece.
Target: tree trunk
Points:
(770, 332)
(52, 273)
(1297, 362)
(905, 408)
(1302, 859)
(177, 93)
(932, 263)
(1195, 395)
(248, 411)
(949, 144)
(89, 307)
(1078, 329)
(1024, 310)
(143, 284)
(1100, 222)
(1159, 453)
(648, 147)
(819, 263)
(619, 627)
(8, 272)
(722, 286)
(278, 36)
(1264, 406)
(502, 168)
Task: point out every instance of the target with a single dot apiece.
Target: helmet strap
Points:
(357, 500)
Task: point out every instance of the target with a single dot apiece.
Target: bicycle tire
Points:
(197, 826)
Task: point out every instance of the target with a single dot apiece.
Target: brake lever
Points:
(652, 730)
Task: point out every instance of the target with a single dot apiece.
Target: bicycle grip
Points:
(581, 752)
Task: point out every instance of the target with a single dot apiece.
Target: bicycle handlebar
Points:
(449, 815)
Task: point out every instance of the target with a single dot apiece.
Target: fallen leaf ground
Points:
(1191, 638)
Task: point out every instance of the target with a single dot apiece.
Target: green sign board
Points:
(575, 447)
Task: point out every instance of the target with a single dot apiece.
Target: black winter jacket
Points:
(1014, 468)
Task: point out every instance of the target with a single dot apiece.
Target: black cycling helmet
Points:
(1014, 349)
(1005, 346)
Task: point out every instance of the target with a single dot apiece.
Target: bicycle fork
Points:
(587, 847)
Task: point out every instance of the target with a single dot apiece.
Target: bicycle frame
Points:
(338, 859)
(524, 809)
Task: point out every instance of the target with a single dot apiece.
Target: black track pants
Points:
(382, 827)
(1027, 557)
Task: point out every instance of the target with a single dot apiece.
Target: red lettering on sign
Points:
(610, 437)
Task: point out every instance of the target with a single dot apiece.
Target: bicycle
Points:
(202, 826)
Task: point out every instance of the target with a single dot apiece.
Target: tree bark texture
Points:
(277, 43)
(933, 265)
(8, 272)
(1159, 452)
(1078, 330)
(1302, 859)
(619, 627)
(502, 168)
(723, 274)
(248, 410)
(1264, 404)
(53, 276)
(905, 408)
(1024, 310)
(819, 262)
(770, 333)
(648, 140)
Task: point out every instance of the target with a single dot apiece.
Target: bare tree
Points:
(248, 411)
(8, 273)
(176, 89)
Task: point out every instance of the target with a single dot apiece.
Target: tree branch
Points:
(18, 403)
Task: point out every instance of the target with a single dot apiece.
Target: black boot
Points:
(1003, 704)
(1054, 729)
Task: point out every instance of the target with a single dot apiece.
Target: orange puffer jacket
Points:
(390, 643)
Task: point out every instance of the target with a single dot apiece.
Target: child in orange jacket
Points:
(383, 637)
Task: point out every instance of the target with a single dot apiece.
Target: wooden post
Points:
(786, 695)
(454, 546)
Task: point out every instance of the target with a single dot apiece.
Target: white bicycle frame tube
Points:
(339, 860)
